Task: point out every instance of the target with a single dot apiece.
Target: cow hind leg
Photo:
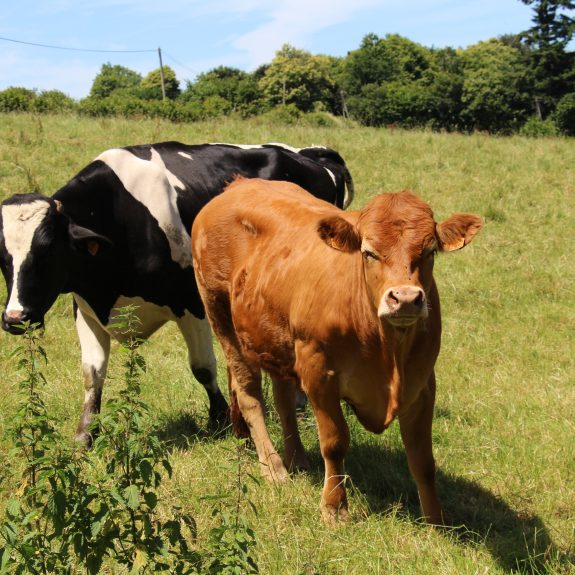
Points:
(285, 392)
(95, 347)
(202, 361)
(246, 386)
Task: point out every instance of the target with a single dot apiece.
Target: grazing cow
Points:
(119, 233)
(343, 302)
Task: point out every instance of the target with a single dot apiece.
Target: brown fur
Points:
(344, 303)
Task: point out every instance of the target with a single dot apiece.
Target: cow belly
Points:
(150, 317)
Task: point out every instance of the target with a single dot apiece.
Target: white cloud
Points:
(294, 22)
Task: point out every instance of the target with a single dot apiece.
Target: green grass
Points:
(504, 431)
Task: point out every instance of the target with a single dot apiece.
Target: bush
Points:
(53, 101)
(286, 114)
(15, 99)
(537, 128)
(565, 114)
(319, 120)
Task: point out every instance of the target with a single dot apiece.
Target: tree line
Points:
(523, 82)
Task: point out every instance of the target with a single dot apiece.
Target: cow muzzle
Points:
(12, 322)
(402, 306)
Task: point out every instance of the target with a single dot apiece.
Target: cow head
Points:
(37, 243)
(398, 239)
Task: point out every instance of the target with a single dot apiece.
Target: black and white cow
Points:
(119, 233)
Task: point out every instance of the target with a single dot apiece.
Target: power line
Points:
(179, 63)
(73, 49)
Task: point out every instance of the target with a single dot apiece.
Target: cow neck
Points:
(395, 346)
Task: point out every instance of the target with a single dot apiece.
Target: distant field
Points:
(504, 431)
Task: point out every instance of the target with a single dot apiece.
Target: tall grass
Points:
(504, 431)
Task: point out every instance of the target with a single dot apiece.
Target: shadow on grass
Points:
(518, 542)
(180, 430)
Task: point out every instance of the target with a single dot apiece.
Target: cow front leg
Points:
(95, 348)
(334, 443)
(415, 425)
(198, 337)
(285, 402)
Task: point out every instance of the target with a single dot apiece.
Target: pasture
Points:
(504, 428)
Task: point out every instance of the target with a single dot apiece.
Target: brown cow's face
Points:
(398, 244)
(398, 238)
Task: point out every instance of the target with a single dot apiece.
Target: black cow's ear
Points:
(339, 234)
(86, 240)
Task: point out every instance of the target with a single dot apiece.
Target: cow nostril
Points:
(419, 300)
(392, 299)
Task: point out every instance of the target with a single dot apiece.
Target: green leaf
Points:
(93, 563)
(151, 499)
(5, 554)
(13, 508)
(132, 495)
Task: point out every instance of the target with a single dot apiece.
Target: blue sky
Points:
(198, 35)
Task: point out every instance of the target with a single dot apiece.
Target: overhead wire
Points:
(73, 49)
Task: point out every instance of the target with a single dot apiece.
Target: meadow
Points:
(504, 428)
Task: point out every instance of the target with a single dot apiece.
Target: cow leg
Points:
(246, 385)
(285, 402)
(415, 425)
(95, 346)
(333, 442)
(202, 361)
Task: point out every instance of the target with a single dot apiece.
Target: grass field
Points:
(504, 431)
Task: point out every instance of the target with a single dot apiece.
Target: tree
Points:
(151, 86)
(238, 89)
(551, 65)
(393, 80)
(112, 78)
(495, 87)
(297, 77)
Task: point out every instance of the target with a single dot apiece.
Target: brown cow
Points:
(344, 302)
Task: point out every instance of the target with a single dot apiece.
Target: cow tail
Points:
(239, 424)
(349, 189)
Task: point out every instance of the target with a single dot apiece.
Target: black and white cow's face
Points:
(36, 243)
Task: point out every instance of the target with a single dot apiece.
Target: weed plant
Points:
(76, 512)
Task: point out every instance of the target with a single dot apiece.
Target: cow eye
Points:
(369, 255)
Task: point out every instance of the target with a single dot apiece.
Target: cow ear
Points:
(457, 231)
(339, 234)
(86, 240)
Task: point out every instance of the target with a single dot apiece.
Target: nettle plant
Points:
(74, 510)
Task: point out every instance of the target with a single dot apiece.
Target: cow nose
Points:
(11, 321)
(12, 317)
(403, 303)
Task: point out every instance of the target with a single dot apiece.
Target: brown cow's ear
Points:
(339, 234)
(457, 231)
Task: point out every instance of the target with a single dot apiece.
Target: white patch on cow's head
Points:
(187, 156)
(20, 222)
(151, 184)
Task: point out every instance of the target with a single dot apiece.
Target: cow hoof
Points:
(84, 439)
(274, 470)
(334, 515)
(297, 463)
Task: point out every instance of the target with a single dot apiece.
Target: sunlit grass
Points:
(504, 431)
